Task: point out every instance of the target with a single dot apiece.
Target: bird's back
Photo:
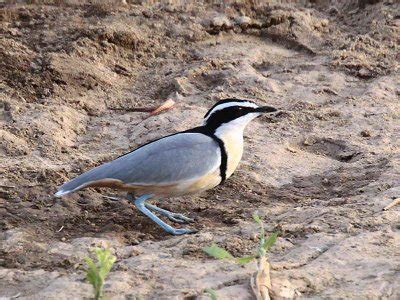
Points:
(170, 160)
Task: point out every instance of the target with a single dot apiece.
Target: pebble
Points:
(364, 72)
(308, 142)
(365, 133)
(14, 32)
(220, 21)
(183, 86)
(333, 10)
(243, 21)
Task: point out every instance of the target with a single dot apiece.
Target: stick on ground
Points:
(392, 204)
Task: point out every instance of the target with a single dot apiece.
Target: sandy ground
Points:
(319, 171)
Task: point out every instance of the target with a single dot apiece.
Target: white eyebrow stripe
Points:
(230, 104)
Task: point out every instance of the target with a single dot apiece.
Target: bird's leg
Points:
(175, 217)
(141, 205)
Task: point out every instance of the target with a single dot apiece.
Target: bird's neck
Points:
(232, 137)
(230, 130)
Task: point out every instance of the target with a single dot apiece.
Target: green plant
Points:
(263, 246)
(261, 282)
(212, 294)
(96, 272)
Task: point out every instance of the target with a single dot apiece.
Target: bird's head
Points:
(234, 112)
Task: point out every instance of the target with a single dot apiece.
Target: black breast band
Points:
(224, 156)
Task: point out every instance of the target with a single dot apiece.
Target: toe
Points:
(183, 218)
(179, 218)
(174, 219)
(183, 231)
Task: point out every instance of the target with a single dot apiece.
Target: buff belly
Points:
(188, 187)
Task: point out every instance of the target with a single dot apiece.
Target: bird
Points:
(182, 163)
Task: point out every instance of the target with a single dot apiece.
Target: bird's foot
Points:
(179, 218)
(175, 217)
(181, 231)
(145, 208)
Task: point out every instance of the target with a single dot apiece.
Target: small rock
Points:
(283, 289)
(219, 88)
(308, 142)
(243, 21)
(330, 91)
(333, 10)
(366, 133)
(134, 242)
(122, 70)
(183, 86)
(221, 21)
(14, 32)
(34, 66)
(364, 73)
(254, 237)
(104, 43)
(46, 92)
(290, 149)
(324, 22)
(271, 85)
(218, 22)
(147, 14)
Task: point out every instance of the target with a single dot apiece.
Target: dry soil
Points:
(319, 171)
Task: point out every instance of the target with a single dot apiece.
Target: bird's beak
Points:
(266, 109)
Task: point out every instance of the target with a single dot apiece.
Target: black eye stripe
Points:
(223, 102)
(227, 114)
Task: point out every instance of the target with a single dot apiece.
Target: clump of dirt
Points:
(319, 171)
(299, 29)
(369, 46)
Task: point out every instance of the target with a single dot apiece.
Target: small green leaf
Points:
(257, 218)
(244, 260)
(91, 273)
(217, 252)
(106, 261)
(97, 272)
(270, 241)
(212, 293)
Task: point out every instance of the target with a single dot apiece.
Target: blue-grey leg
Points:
(175, 217)
(141, 205)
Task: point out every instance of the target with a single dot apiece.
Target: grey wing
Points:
(172, 159)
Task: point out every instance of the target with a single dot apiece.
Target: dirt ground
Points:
(319, 171)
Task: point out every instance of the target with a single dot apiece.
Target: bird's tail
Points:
(70, 187)
(62, 192)
(81, 181)
(93, 177)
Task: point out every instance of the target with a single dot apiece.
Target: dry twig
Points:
(261, 281)
(392, 204)
(153, 110)
(169, 104)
